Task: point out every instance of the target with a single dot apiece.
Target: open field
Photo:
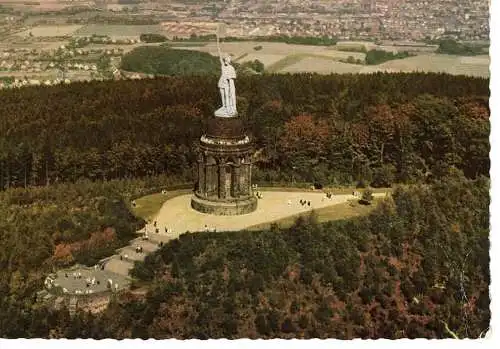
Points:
(276, 49)
(287, 61)
(52, 5)
(266, 59)
(286, 58)
(321, 65)
(51, 30)
(5, 45)
(118, 30)
(438, 63)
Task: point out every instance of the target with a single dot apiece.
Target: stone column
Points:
(244, 180)
(236, 181)
(249, 178)
(211, 179)
(222, 180)
(201, 178)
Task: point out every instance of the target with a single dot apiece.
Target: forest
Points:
(410, 269)
(73, 157)
(296, 40)
(335, 129)
(166, 61)
(418, 266)
(452, 47)
(152, 37)
(374, 57)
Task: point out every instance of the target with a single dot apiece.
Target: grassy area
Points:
(148, 206)
(295, 58)
(331, 213)
(285, 62)
(184, 44)
(240, 57)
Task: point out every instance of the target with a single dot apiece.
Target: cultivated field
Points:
(51, 30)
(52, 5)
(456, 65)
(276, 49)
(117, 31)
(285, 58)
(265, 58)
(6, 45)
(321, 66)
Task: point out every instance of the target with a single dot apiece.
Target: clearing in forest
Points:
(178, 217)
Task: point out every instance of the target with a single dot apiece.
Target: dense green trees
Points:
(452, 47)
(379, 276)
(426, 269)
(380, 56)
(43, 228)
(165, 61)
(255, 66)
(380, 127)
(152, 37)
(296, 40)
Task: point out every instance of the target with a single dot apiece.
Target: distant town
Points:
(343, 19)
(56, 41)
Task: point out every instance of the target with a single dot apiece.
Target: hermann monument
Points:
(224, 167)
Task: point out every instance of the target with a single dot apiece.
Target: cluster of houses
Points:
(105, 40)
(16, 83)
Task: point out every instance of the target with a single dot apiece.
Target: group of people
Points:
(75, 275)
(157, 229)
(89, 282)
(207, 229)
(138, 249)
(305, 202)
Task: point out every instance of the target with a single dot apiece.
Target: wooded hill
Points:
(335, 129)
(416, 267)
(403, 271)
(45, 228)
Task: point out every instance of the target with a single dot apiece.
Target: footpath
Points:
(174, 218)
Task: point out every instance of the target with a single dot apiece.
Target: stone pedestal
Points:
(224, 169)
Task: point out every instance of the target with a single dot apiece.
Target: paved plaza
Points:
(178, 217)
(83, 280)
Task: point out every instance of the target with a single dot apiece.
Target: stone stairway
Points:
(73, 302)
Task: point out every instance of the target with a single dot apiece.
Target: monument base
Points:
(224, 208)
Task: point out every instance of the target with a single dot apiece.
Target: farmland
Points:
(456, 65)
(25, 48)
(321, 66)
(286, 58)
(115, 31)
(51, 30)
